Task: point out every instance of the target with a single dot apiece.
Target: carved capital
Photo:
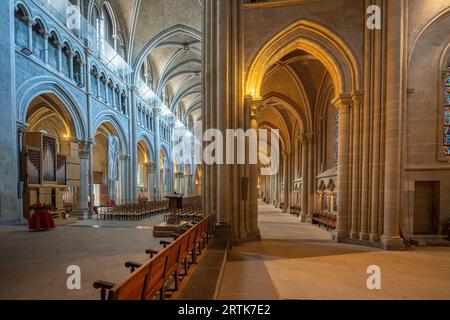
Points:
(255, 107)
(343, 103)
(151, 166)
(358, 98)
(307, 137)
(124, 157)
(84, 149)
(22, 126)
(157, 111)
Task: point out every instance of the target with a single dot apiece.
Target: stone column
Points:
(151, 167)
(157, 186)
(311, 177)
(286, 181)
(394, 98)
(91, 135)
(253, 233)
(30, 24)
(124, 166)
(278, 186)
(132, 177)
(343, 104)
(376, 207)
(82, 203)
(356, 182)
(305, 182)
(46, 36)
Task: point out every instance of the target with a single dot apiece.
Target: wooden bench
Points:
(157, 276)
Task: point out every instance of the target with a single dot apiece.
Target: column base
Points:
(354, 235)
(303, 218)
(340, 235)
(242, 235)
(392, 243)
(254, 235)
(82, 214)
(364, 236)
(375, 237)
(223, 232)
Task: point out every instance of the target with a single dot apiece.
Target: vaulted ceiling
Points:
(293, 88)
(166, 34)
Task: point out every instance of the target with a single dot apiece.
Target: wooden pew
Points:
(157, 275)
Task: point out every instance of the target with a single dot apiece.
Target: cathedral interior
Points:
(114, 116)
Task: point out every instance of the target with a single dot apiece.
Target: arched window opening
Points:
(39, 41)
(108, 27)
(123, 103)
(111, 93)
(103, 87)
(117, 93)
(77, 70)
(53, 50)
(96, 25)
(66, 57)
(139, 114)
(94, 79)
(121, 47)
(21, 28)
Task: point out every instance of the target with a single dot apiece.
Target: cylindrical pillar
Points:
(393, 144)
(356, 183)
(82, 204)
(305, 182)
(157, 186)
(343, 103)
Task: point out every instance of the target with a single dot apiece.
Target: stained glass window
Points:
(336, 144)
(447, 113)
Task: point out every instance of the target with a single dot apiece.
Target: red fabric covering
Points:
(111, 203)
(41, 221)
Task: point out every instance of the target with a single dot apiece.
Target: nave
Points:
(297, 260)
(99, 248)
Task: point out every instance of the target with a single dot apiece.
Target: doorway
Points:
(426, 207)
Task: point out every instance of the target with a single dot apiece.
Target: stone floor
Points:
(33, 264)
(299, 261)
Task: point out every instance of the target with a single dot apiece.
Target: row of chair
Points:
(186, 214)
(162, 274)
(137, 211)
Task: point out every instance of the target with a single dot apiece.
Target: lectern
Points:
(175, 201)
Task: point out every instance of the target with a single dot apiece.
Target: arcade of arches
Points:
(363, 116)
